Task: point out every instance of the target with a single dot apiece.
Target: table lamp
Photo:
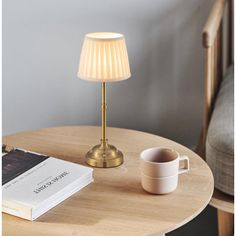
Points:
(104, 58)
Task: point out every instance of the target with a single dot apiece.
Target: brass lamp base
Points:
(104, 156)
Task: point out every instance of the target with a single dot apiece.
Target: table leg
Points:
(225, 223)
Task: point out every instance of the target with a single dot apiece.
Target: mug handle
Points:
(186, 164)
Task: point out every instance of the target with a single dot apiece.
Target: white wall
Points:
(42, 40)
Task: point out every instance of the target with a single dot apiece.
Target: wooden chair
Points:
(214, 46)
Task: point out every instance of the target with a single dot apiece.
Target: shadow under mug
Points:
(160, 169)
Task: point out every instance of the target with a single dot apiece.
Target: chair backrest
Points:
(215, 43)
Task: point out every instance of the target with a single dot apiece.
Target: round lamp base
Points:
(104, 156)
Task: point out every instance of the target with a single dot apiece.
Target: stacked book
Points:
(34, 183)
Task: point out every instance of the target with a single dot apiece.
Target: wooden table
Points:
(115, 203)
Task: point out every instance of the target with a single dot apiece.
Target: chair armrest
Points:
(213, 23)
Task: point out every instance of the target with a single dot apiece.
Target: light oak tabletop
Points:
(115, 203)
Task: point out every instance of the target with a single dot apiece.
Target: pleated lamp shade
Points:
(104, 58)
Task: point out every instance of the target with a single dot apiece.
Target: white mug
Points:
(162, 162)
(162, 185)
(160, 169)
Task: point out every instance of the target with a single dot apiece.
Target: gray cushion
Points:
(220, 137)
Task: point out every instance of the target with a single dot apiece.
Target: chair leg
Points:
(225, 223)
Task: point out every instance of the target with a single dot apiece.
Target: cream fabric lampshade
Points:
(104, 58)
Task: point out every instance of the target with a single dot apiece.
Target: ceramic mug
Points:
(162, 162)
(161, 185)
(160, 169)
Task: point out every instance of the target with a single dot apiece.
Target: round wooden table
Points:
(115, 203)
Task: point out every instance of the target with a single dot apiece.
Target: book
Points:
(33, 183)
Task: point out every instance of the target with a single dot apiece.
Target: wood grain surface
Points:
(115, 203)
(222, 201)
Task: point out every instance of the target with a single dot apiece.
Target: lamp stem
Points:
(104, 108)
(103, 154)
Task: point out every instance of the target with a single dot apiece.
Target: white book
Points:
(34, 183)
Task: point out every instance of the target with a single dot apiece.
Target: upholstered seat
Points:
(220, 137)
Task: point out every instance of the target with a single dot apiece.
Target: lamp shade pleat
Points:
(104, 58)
